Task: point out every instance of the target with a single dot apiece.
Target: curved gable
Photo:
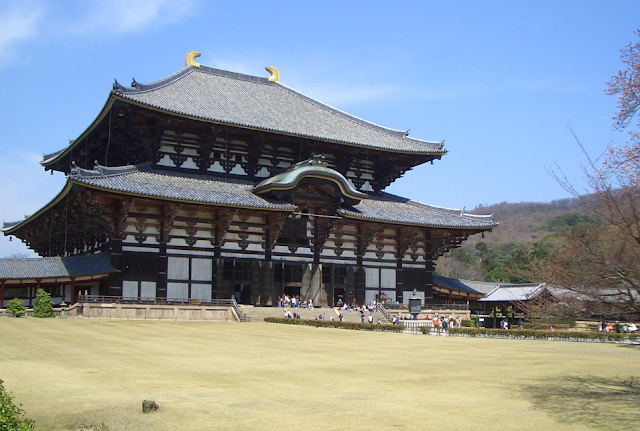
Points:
(311, 172)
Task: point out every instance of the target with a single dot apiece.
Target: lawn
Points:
(260, 376)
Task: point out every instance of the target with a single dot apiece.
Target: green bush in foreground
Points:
(336, 324)
(43, 306)
(16, 308)
(12, 416)
(532, 334)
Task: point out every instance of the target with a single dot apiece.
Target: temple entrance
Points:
(338, 296)
(292, 290)
(242, 294)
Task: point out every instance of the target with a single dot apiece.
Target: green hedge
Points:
(545, 326)
(337, 324)
(532, 334)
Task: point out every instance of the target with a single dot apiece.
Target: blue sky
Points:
(502, 82)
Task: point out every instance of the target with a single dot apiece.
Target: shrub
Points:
(12, 416)
(43, 306)
(16, 308)
(337, 324)
(532, 334)
(468, 324)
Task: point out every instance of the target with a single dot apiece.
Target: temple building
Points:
(212, 184)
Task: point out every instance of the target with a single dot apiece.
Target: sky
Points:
(505, 84)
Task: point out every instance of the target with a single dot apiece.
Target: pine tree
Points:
(43, 305)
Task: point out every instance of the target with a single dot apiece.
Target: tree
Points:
(600, 260)
(43, 306)
(16, 308)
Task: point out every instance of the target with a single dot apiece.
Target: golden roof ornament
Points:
(190, 59)
(275, 74)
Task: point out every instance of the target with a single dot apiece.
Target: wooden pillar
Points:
(429, 254)
(256, 283)
(115, 280)
(74, 296)
(267, 283)
(2, 293)
(400, 250)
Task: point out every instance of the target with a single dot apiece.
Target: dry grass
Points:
(258, 376)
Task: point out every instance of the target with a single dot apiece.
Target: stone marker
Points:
(149, 406)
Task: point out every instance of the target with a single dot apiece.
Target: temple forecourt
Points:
(209, 185)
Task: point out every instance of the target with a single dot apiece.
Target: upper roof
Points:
(254, 102)
(55, 267)
(251, 101)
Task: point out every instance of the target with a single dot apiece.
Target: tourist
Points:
(310, 304)
(552, 329)
(340, 316)
(633, 327)
(320, 316)
(361, 317)
(370, 318)
(618, 327)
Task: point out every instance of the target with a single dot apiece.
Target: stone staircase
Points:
(257, 314)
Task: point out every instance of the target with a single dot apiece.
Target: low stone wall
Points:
(154, 312)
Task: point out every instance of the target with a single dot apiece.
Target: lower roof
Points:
(144, 181)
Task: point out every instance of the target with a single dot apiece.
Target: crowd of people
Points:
(617, 327)
(294, 301)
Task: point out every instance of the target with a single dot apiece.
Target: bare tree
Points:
(600, 261)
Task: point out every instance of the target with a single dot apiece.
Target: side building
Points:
(211, 184)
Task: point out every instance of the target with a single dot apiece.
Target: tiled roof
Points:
(394, 209)
(178, 185)
(55, 267)
(454, 283)
(514, 292)
(142, 180)
(254, 102)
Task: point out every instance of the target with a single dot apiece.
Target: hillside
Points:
(527, 222)
(525, 228)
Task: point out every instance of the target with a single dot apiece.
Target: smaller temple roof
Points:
(515, 292)
(55, 267)
(390, 208)
(454, 283)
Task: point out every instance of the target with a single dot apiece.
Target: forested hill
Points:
(527, 231)
(527, 222)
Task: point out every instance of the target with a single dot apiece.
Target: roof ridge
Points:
(106, 171)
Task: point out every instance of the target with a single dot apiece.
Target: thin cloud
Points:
(126, 16)
(18, 23)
